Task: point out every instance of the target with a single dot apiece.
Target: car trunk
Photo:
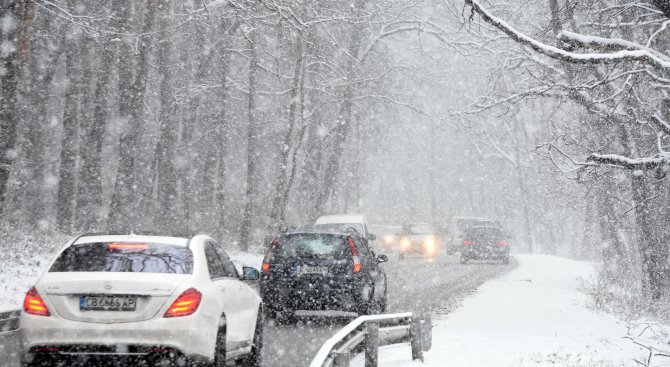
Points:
(311, 273)
(64, 292)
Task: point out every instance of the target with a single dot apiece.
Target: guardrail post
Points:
(415, 338)
(371, 344)
(342, 359)
(427, 332)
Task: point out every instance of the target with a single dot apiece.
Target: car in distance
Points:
(484, 243)
(344, 223)
(151, 297)
(458, 226)
(314, 271)
(419, 238)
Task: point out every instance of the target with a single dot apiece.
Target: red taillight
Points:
(266, 261)
(502, 243)
(357, 260)
(186, 304)
(34, 305)
(127, 246)
(467, 243)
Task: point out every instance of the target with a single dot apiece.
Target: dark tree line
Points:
(226, 117)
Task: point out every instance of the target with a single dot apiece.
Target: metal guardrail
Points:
(368, 333)
(9, 321)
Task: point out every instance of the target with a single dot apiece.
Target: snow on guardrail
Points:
(369, 331)
(9, 321)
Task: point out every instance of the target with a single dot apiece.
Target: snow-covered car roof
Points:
(341, 218)
(178, 241)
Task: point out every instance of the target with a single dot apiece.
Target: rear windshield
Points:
(125, 257)
(313, 246)
(339, 227)
(484, 232)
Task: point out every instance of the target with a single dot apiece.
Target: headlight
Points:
(388, 239)
(404, 243)
(430, 245)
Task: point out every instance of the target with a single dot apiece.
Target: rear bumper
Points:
(485, 252)
(315, 298)
(188, 336)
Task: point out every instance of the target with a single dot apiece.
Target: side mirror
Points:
(382, 258)
(372, 237)
(249, 273)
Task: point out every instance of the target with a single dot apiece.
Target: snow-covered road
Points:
(535, 315)
(415, 284)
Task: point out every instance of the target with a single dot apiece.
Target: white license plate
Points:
(322, 270)
(107, 303)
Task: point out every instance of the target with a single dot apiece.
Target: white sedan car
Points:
(149, 297)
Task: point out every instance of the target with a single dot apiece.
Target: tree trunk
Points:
(122, 209)
(89, 195)
(252, 144)
(67, 177)
(13, 59)
(166, 173)
(341, 131)
(279, 202)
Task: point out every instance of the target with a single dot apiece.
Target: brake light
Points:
(34, 305)
(467, 243)
(186, 304)
(127, 246)
(357, 259)
(268, 256)
(502, 243)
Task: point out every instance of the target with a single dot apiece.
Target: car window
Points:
(214, 263)
(339, 227)
(125, 257)
(312, 246)
(363, 247)
(484, 232)
(228, 266)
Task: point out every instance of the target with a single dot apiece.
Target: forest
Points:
(239, 118)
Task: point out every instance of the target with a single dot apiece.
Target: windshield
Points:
(313, 246)
(125, 257)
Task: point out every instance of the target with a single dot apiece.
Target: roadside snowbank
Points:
(533, 316)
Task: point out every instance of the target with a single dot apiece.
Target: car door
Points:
(246, 301)
(228, 290)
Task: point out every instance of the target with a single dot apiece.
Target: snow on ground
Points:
(534, 316)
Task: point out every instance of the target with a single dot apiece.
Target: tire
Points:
(464, 259)
(286, 317)
(271, 310)
(401, 255)
(220, 346)
(382, 304)
(254, 358)
(505, 260)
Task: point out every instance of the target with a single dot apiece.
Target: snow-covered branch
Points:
(630, 55)
(629, 163)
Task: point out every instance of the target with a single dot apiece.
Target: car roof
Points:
(327, 233)
(483, 227)
(168, 240)
(341, 218)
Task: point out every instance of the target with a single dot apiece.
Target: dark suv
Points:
(322, 271)
(484, 243)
